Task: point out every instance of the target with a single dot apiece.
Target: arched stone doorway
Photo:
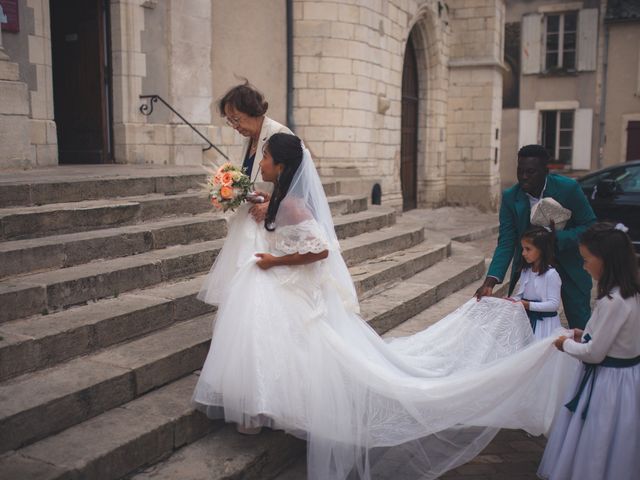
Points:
(409, 128)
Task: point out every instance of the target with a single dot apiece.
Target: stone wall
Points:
(28, 132)
(475, 102)
(348, 64)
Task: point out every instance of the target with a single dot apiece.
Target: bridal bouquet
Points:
(228, 187)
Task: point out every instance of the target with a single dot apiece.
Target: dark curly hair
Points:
(620, 266)
(285, 150)
(543, 240)
(246, 99)
(535, 151)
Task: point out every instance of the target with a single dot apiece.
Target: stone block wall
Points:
(475, 103)
(27, 129)
(348, 76)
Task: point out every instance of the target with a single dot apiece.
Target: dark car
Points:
(614, 194)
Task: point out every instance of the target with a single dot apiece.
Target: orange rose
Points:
(226, 192)
(227, 178)
(215, 202)
(217, 180)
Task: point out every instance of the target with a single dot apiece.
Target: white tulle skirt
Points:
(288, 353)
(547, 327)
(606, 444)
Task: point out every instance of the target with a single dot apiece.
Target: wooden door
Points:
(409, 130)
(633, 141)
(80, 81)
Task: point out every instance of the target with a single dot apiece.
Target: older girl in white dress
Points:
(597, 435)
(539, 285)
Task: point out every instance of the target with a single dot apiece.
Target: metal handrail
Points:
(147, 109)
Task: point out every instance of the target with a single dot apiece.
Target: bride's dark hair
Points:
(285, 149)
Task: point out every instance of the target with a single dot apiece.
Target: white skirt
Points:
(546, 327)
(606, 444)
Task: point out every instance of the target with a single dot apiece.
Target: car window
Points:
(629, 179)
(592, 181)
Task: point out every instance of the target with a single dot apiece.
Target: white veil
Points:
(304, 224)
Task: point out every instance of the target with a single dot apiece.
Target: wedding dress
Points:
(291, 352)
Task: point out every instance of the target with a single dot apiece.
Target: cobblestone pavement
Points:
(512, 455)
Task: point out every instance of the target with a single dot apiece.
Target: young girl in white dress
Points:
(539, 285)
(290, 350)
(597, 435)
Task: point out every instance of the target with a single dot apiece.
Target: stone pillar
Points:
(14, 111)
(475, 103)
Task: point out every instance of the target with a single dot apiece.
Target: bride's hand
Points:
(258, 211)
(265, 260)
(258, 197)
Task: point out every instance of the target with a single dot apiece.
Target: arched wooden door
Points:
(409, 129)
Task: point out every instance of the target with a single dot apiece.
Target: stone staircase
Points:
(101, 334)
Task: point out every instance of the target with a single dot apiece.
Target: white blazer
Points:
(269, 127)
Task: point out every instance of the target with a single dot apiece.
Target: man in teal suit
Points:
(534, 183)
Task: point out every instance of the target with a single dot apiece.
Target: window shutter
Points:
(587, 39)
(583, 123)
(528, 127)
(531, 43)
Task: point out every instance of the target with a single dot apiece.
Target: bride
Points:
(290, 351)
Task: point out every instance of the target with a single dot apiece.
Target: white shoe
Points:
(248, 430)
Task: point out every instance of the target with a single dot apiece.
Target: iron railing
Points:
(147, 109)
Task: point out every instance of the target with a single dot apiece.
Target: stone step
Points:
(43, 403)
(62, 251)
(374, 218)
(81, 183)
(376, 275)
(60, 218)
(93, 182)
(381, 242)
(42, 341)
(143, 431)
(395, 305)
(344, 204)
(50, 291)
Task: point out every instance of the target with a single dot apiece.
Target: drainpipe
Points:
(603, 97)
(290, 122)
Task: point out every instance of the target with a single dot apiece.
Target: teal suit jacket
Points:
(514, 221)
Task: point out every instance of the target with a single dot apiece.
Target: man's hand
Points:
(265, 260)
(558, 342)
(258, 211)
(486, 289)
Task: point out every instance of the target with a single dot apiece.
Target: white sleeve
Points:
(551, 295)
(304, 237)
(603, 327)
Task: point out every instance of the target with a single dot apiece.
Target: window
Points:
(557, 135)
(560, 41)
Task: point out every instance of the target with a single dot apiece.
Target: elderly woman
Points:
(244, 109)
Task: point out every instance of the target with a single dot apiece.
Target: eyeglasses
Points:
(233, 121)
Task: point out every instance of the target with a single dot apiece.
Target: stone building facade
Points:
(571, 82)
(332, 70)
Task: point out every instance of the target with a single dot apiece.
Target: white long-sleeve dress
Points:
(543, 293)
(601, 438)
